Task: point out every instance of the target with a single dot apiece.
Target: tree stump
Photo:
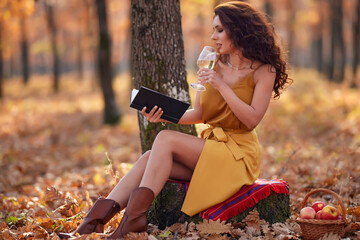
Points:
(166, 208)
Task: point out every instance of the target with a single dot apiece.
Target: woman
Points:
(227, 156)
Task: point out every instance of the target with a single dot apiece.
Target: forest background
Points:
(57, 155)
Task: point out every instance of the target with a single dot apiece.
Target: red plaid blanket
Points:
(245, 198)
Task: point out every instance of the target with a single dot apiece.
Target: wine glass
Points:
(206, 59)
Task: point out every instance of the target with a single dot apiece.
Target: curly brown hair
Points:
(250, 31)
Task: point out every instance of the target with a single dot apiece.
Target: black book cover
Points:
(145, 97)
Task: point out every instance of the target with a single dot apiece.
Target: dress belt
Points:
(224, 136)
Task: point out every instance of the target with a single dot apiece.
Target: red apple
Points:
(318, 205)
(318, 214)
(329, 212)
(307, 213)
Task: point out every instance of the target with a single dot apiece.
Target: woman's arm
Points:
(191, 116)
(251, 114)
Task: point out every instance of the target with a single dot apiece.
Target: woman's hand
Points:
(154, 115)
(206, 75)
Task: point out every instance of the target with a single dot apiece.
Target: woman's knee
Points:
(164, 137)
(146, 155)
(144, 158)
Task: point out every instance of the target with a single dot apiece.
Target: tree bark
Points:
(356, 40)
(53, 39)
(166, 208)
(158, 58)
(111, 112)
(269, 9)
(291, 32)
(24, 51)
(90, 33)
(317, 50)
(1, 65)
(337, 49)
(80, 62)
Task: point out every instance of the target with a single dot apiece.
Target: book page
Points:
(134, 92)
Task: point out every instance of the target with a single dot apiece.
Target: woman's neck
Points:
(237, 61)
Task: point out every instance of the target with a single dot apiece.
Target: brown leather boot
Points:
(100, 214)
(134, 219)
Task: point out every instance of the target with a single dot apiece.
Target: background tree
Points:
(24, 49)
(269, 9)
(318, 40)
(24, 9)
(80, 62)
(90, 34)
(111, 112)
(4, 15)
(10, 11)
(290, 27)
(356, 41)
(158, 57)
(49, 6)
(1, 63)
(337, 47)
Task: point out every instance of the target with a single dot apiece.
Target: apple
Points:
(329, 212)
(318, 214)
(307, 213)
(318, 205)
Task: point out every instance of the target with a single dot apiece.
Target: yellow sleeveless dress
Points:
(231, 154)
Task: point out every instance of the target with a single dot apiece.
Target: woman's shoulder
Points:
(263, 71)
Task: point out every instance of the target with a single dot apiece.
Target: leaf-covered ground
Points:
(56, 157)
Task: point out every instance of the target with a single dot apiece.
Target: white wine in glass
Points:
(206, 60)
(205, 63)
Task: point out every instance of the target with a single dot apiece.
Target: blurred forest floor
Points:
(56, 157)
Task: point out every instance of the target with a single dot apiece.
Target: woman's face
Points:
(221, 38)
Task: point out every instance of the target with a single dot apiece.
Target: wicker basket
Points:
(313, 229)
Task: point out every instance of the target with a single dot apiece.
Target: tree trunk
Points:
(1, 65)
(333, 38)
(356, 43)
(80, 62)
(24, 51)
(53, 39)
(342, 50)
(337, 49)
(291, 31)
(12, 68)
(166, 208)
(111, 112)
(318, 39)
(91, 20)
(158, 58)
(269, 9)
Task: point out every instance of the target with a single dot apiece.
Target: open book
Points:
(173, 109)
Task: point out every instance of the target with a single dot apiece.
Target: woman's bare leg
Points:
(169, 147)
(131, 180)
